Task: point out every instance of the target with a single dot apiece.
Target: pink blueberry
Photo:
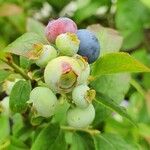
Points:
(59, 26)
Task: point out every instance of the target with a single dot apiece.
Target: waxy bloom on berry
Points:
(44, 101)
(68, 44)
(81, 118)
(82, 96)
(59, 26)
(62, 74)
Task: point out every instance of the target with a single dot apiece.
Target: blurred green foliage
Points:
(132, 19)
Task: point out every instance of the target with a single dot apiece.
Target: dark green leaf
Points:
(112, 105)
(50, 138)
(117, 63)
(81, 141)
(19, 96)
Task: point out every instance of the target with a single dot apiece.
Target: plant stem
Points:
(20, 71)
(17, 68)
(138, 87)
(90, 131)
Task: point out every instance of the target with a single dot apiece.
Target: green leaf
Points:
(77, 143)
(19, 96)
(115, 86)
(81, 141)
(50, 138)
(17, 144)
(4, 128)
(112, 142)
(102, 113)
(117, 63)
(112, 105)
(24, 44)
(25, 63)
(89, 10)
(130, 18)
(61, 110)
(110, 40)
(3, 75)
(36, 27)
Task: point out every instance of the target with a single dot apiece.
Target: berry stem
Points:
(19, 70)
(90, 131)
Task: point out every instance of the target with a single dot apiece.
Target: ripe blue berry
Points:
(81, 118)
(89, 46)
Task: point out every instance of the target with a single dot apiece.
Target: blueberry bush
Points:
(75, 75)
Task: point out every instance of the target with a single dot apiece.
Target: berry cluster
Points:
(66, 62)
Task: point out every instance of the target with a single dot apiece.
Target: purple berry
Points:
(89, 46)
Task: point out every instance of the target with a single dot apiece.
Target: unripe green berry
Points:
(44, 101)
(67, 43)
(81, 118)
(61, 74)
(46, 54)
(82, 96)
(4, 107)
(85, 67)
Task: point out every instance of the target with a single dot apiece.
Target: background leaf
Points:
(9, 9)
(130, 21)
(36, 27)
(110, 40)
(112, 105)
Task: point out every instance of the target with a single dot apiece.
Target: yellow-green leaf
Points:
(117, 63)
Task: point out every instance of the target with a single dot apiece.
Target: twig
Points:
(19, 70)
(90, 131)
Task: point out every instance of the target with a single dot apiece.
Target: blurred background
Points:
(131, 18)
